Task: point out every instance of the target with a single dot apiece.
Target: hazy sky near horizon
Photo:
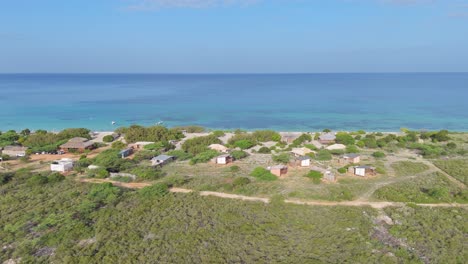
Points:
(233, 36)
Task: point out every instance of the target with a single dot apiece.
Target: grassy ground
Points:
(457, 168)
(408, 168)
(430, 188)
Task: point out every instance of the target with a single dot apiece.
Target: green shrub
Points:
(264, 150)
(451, 145)
(310, 146)
(240, 181)
(198, 145)
(263, 174)
(281, 158)
(378, 154)
(99, 173)
(301, 139)
(239, 154)
(344, 138)
(244, 144)
(108, 138)
(342, 170)
(155, 190)
(5, 178)
(204, 157)
(151, 134)
(55, 177)
(315, 176)
(37, 180)
(118, 145)
(218, 133)
(234, 169)
(146, 173)
(352, 149)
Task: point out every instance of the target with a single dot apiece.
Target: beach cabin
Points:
(303, 161)
(327, 138)
(278, 170)
(126, 152)
(219, 148)
(289, 137)
(299, 152)
(14, 151)
(77, 144)
(161, 160)
(351, 158)
(62, 165)
(224, 159)
(329, 176)
(362, 170)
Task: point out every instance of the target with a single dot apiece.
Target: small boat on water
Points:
(113, 122)
(159, 123)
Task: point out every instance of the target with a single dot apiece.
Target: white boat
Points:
(113, 122)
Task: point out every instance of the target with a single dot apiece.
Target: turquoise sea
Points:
(287, 102)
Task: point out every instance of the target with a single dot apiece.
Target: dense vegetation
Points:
(65, 221)
(151, 134)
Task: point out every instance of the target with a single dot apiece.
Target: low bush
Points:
(239, 154)
(204, 157)
(264, 150)
(263, 174)
(108, 138)
(378, 154)
(240, 181)
(244, 144)
(315, 176)
(155, 190)
(281, 158)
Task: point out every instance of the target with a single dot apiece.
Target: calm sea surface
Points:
(293, 102)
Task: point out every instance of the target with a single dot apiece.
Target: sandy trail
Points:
(377, 205)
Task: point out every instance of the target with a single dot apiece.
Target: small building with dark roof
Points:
(352, 158)
(77, 144)
(224, 159)
(161, 160)
(362, 170)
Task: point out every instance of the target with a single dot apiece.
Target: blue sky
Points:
(233, 36)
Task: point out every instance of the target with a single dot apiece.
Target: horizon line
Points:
(224, 73)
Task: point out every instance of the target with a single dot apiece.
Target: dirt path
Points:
(377, 205)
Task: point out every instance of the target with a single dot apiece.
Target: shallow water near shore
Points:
(287, 102)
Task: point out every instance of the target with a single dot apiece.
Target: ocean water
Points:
(287, 102)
